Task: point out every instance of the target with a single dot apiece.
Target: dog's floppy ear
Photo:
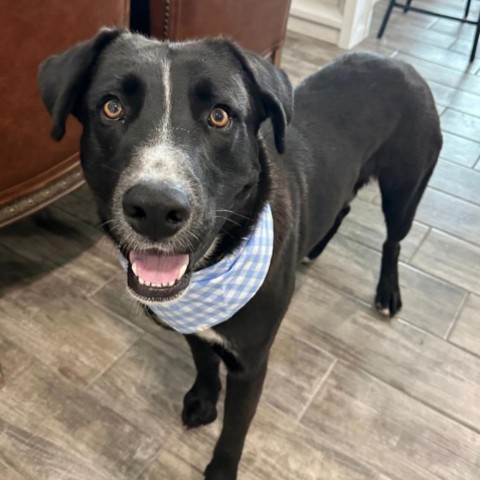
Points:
(274, 88)
(64, 78)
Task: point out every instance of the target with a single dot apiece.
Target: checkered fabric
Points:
(217, 292)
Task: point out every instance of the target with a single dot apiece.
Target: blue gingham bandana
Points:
(217, 292)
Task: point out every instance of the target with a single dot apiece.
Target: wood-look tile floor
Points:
(91, 389)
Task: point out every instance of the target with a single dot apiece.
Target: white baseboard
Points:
(312, 29)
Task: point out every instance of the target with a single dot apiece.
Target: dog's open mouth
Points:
(154, 276)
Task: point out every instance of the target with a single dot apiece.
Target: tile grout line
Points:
(439, 82)
(463, 349)
(38, 360)
(22, 475)
(437, 336)
(443, 159)
(445, 129)
(152, 461)
(453, 195)
(456, 109)
(402, 391)
(441, 65)
(457, 316)
(99, 287)
(298, 338)
(420, 400)
(476, 164)
(456, 237)
(454, 91)
(317, 390)
(413, 267)
(458, 70)
(420, 244)
(116, 315)
(450, 47)
(368, 304)
(398, 317)
(344, 293)
(436, 277)
(110, 365)
(406, 37)
(22, 369)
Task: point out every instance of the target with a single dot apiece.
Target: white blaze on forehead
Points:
(234, 82)
(160, 159)
(166, 127)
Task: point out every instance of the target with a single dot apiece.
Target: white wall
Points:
(342, 22)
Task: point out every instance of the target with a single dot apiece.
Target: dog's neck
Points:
(242, 223)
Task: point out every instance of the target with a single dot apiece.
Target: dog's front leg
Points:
(200, 402)
(242, 396)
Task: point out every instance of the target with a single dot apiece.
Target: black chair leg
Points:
(406, 8)
(475, 40)
(386, 18)
(467, 9)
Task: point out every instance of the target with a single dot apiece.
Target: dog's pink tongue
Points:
(154, 267)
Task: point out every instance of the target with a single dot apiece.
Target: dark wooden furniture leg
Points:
(386, 18)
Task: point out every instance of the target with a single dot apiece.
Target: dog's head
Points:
(170, 145)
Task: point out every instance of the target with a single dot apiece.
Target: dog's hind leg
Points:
(320, 247)
(399, 204)
(200, 402)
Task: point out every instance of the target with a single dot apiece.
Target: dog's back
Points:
(359, 116)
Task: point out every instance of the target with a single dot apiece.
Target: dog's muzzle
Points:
(157, 212)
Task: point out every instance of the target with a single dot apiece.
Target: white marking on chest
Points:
(211, 336)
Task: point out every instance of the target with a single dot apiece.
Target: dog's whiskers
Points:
(228, 220)
(103, 224)
(234, 213)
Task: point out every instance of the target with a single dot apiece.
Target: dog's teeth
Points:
(182, 272)
(171, 284)
(134, 269)
(141, 281)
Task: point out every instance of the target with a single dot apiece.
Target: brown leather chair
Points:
(34, 170)
(258, 25)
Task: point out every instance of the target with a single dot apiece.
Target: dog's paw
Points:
(198, 409)
(388, 301)
(221, 469)
(307, 261)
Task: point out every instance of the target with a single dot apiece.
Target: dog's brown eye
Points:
(219, 118)
(112, 109)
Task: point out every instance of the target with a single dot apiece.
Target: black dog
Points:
(182, 165)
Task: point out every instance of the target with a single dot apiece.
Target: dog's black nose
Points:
(157, 211)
